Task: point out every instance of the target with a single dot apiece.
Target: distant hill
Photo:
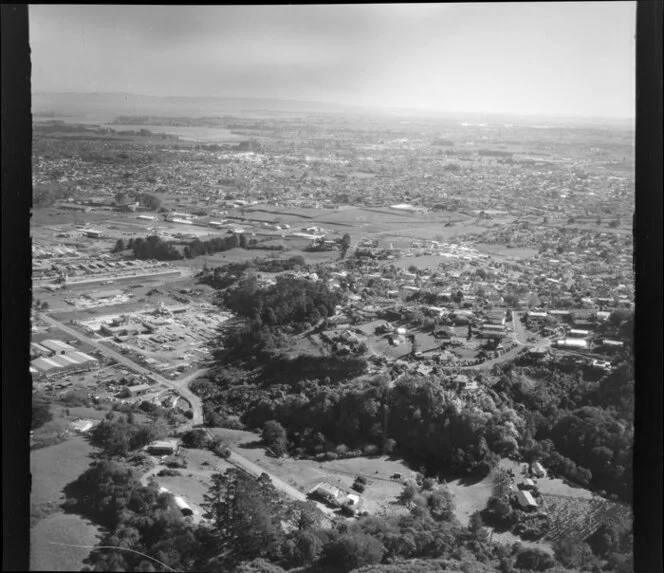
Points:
(106, 106)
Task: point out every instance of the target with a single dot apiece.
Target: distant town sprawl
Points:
(431, 299)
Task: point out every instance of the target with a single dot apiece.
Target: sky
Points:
(574, 59)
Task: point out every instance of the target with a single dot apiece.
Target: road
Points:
(243, 463)
(180, 386)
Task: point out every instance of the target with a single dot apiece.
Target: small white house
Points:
(537, 469)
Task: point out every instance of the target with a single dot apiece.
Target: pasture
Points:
(52, 468)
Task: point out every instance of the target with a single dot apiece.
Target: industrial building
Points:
(56, 346)
(63, 363)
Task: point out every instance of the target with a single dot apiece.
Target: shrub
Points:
(195, 439)
(361, 479)
(371, 450)
(169, 473)
(359, 487)
(330, 456)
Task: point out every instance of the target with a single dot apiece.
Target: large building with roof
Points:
(62, 363)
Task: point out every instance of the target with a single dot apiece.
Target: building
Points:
(526, 500)
(537, 469)
(138, 390)
(328, 492)
(183, 506)
(57, 346)
(573, 343)
(527, 484)
(163, 448)
(578, 333)
(39, 350)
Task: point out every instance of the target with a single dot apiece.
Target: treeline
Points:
(46, 194)
(222, 277)
(152, 247)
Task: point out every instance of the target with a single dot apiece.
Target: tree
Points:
(441, 505)
(407, 494)
(258, 566)
(275, 438)
(534, 560)
(246, 515)
(151, 202)
(44, 306)
(351, 551)
(119, 246)
(41, 414)
(572, 552)
(195, 438)
(345, 245)
(305, 515)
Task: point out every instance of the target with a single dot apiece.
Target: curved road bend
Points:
(179, 386)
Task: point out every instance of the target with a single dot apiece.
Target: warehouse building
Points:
(57, 346)
(63, 363)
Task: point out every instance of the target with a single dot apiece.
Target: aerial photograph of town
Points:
(332, 288)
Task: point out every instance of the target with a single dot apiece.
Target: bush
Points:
(219, 447)
(75, 398)
(331, 456)
(361, 479)
(169, 473)
(359, 487)
(371, 450)
(195, 439)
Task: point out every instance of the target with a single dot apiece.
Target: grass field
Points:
(504, 251)
(62, 528)
(52, 468)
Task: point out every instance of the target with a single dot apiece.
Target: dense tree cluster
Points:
(215, 245)
(580, 429)
(289, 302)
(118, 435)
(153, 247)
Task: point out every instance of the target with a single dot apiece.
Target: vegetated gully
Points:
(181, 387)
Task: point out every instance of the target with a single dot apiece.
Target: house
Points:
(537, 469)
(527, 484)
(328, 492)
(526, 500)
(138, 390)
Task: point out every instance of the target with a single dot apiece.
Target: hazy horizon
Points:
(556, 60)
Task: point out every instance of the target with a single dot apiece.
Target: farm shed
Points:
(526, 500)
(163, 448)
(183, 506)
